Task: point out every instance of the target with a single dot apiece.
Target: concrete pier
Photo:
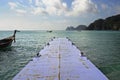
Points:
(60, 60)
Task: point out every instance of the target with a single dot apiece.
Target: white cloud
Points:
(12, 5)
(30, 1)
(37, 2)
(18, 7)
(51, 7)
(56, 7)
(20, 11)
(38, 11)
(82, 6)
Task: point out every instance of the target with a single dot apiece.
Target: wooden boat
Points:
(49, 31)
(7, 42)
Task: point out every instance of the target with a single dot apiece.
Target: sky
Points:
(53, 14)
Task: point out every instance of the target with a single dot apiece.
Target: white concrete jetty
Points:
(60, 60)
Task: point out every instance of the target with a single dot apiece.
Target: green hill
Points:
(110, 23)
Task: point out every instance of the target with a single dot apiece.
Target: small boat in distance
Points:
(49, 31)
(7, 42)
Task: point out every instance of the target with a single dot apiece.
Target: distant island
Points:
(110, 23)
(78, 28)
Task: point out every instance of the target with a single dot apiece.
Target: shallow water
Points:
(101, 47)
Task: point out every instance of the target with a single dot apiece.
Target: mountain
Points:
(78, 28)
(70, 28)
(81, 27)
(110, 23)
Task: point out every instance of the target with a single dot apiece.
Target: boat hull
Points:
(5, 43)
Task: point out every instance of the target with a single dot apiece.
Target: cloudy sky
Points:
(53, 14)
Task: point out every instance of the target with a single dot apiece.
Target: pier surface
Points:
(60, 60)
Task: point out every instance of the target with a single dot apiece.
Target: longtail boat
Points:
(7, 42)
(49, 31)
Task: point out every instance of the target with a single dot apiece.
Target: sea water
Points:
(101, 47)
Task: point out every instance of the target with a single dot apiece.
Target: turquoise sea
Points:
(101, 47)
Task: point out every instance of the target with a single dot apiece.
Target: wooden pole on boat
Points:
(15, 34)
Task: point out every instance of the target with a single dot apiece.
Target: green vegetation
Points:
(80, 27)
(110, 23)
